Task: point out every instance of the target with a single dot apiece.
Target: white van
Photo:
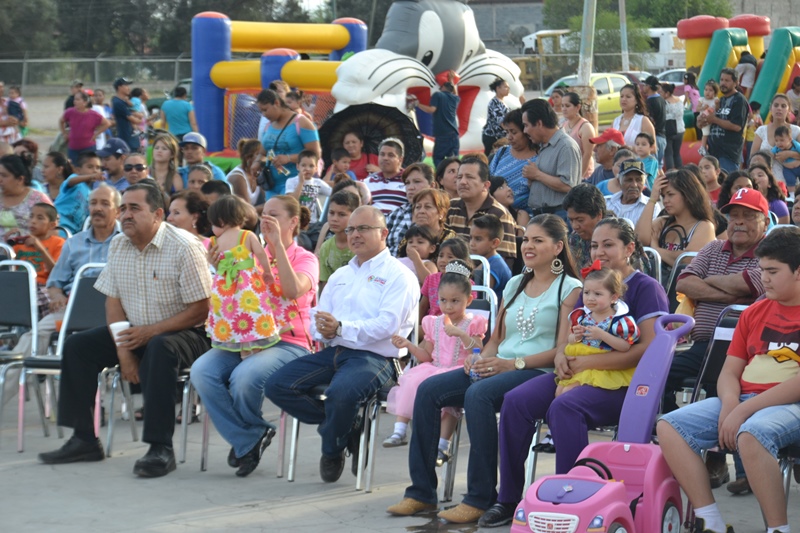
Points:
(667, 50)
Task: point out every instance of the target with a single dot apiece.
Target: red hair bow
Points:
(594, 266)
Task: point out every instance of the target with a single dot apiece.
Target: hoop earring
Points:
(557, 267)
(527, 270)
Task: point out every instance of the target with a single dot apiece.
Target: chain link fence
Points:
(53, 75)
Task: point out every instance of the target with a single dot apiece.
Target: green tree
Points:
(28, 27)
(651, 13)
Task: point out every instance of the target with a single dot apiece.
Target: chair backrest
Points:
(19, 302)
(86, 306)
(67, 234)
(654, 262)
(487, 272)
(6, 252)
(776, 226)
(672, 293)
(717, 350)
(485, 306)
(643, 398)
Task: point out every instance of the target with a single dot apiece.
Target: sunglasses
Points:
(138, 167)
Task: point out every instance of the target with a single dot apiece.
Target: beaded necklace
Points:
(527, 326)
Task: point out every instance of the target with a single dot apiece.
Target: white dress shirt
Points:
(630, 211)
(373, 301)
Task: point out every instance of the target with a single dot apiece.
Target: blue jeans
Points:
(73, 155)
(773, 427)
(445, 146)
(352, 377)
(790, 176)
(481, 401)
(232, 390)
(661, 146)
(729, 165)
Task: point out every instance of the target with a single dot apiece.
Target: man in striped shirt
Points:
(472, 184)
(723, 273)
(387, 187)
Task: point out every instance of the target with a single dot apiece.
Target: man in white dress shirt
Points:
(365, 302)
(630, 202)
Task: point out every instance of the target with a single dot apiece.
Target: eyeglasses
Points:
(361, 229)
(139, 167)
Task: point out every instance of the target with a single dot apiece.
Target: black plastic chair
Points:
(19, 312)
(672, 282)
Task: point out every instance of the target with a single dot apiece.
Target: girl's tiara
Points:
(457, 268)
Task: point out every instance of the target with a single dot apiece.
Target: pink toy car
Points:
(623, 486)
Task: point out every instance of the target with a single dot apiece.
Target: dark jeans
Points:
(73, 155)
(488, 143)
(88, 352)
(481, 401)
(352, 377)
(444, 146)
(672, 154)
(685, 365)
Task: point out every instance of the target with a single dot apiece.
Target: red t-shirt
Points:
(359, 166)
(81, 127)
(714, 195)
(768, 338)
(30, 254)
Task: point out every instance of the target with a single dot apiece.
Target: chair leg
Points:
(786, 470)
(186, 400)
(20, 404)
(204, 445)
(40, 403)
(362, 441)
(54, 405)
(530, 467)
(110, 439)
(281, 442)
(3, 371)
(449, 468)
(293, 443)
(373, 445)
(126, 393)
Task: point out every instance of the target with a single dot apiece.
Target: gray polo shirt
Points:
(559, 157)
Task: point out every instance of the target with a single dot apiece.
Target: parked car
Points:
(674, 76)
(607, 85)
(635, 76)
(156, 103)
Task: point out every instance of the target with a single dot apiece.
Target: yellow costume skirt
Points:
(603, 379)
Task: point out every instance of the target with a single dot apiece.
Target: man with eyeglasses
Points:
(113, 156)
(723, 273)
(364, 304)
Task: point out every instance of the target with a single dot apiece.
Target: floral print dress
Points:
(240, 317)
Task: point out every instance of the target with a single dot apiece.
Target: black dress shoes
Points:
(499, 514)
(73, 451)
(249, 461)
(331, 467)
(158, 461)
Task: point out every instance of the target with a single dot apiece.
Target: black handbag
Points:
(266, 179)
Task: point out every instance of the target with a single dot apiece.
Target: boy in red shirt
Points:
(42, 247)
(757, 411)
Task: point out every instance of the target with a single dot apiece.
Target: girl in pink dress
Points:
(449, 339)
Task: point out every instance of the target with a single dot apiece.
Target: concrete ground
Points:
(105, 496)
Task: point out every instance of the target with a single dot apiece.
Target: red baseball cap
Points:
(749, 198)
(609, 135)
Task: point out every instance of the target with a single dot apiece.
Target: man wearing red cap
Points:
(758, 407)
(723, 273)
(605, 147)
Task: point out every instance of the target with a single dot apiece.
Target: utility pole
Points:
(584, 88)
(623, 35)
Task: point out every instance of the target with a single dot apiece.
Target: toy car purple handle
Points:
(685, 329)
(643, 398)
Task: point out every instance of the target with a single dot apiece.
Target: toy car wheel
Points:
(617, 528)
(670, 519)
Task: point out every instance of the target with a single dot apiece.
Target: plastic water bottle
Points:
(474, 358)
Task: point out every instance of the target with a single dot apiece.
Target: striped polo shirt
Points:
(458, 220)
(387, 193)
(717, 259)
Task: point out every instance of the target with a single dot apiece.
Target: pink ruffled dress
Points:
(448, 353)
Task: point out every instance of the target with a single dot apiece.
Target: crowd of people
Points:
(351, 257)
